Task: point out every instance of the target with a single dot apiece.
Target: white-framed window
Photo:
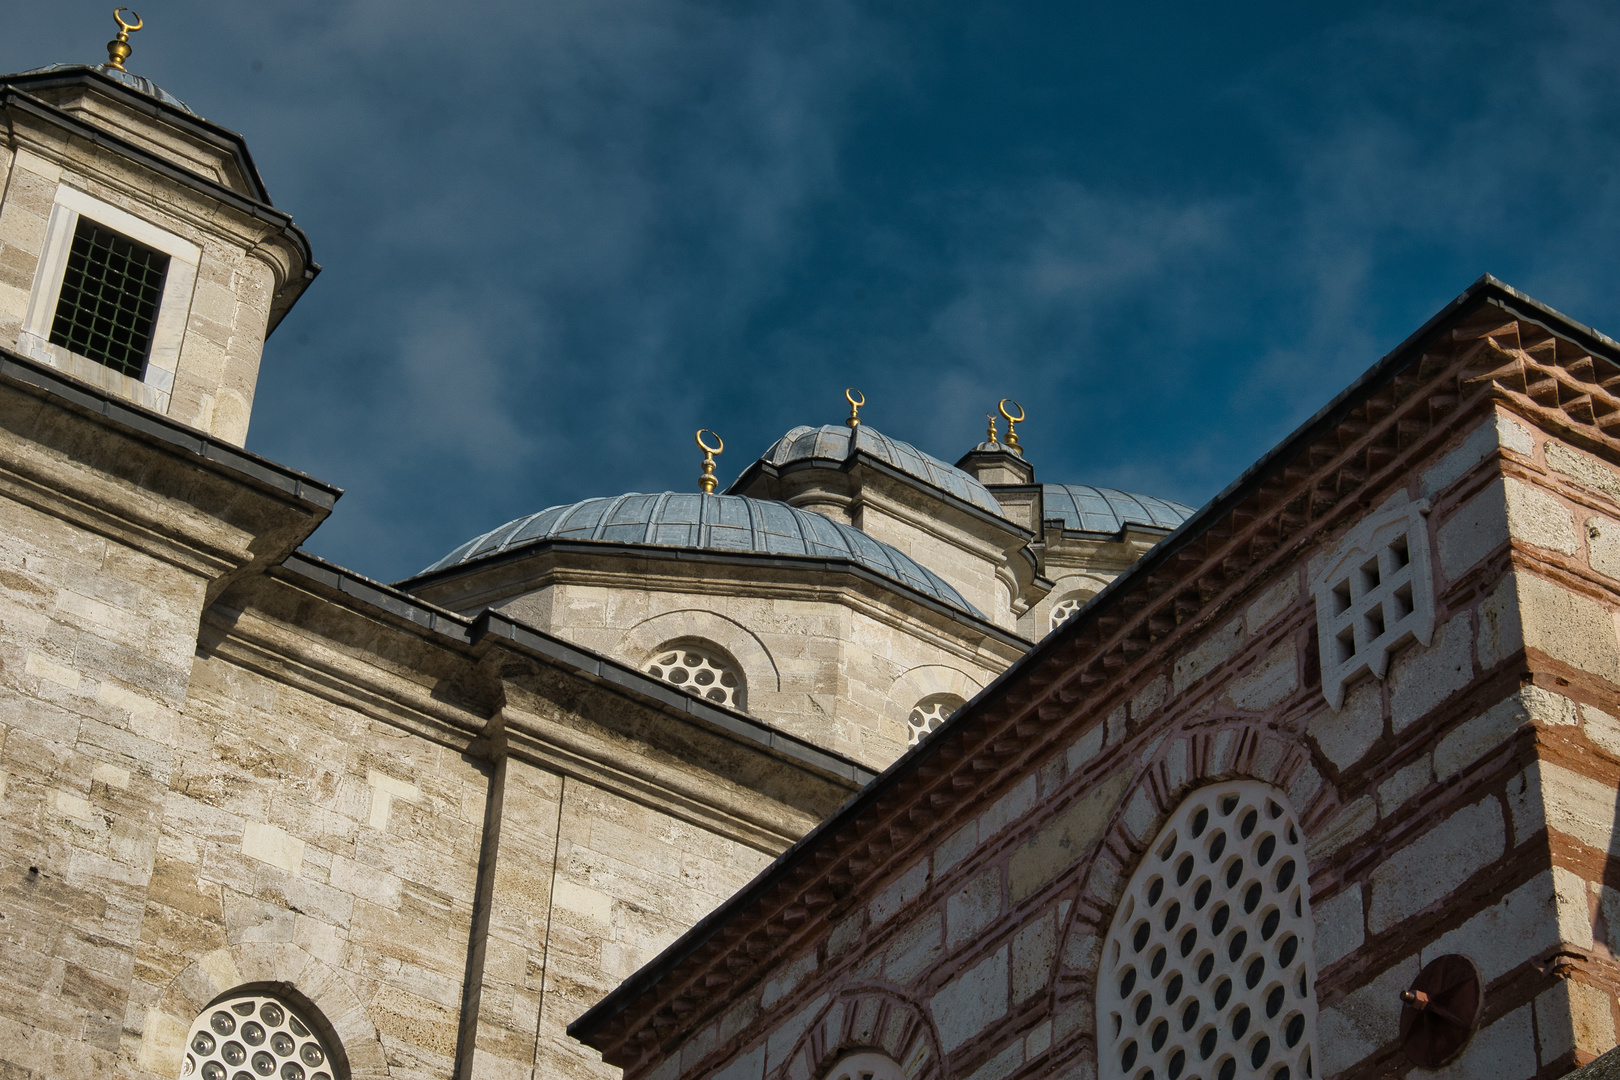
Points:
(1374, 593)
(77, 215)
(252, 1036)
(700, 670)
(1209, 969)
(929, 713)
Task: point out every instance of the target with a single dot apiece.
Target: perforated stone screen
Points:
(929, 713)
(252, 1037)
(699, 671)
(1062, 610)
(1207, 972)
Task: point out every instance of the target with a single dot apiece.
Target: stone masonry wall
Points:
(1464, 803)
(283, 786)
(825, 666)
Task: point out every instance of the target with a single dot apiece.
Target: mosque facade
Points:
(265, 816)
(869, 766)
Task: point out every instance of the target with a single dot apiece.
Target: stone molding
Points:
(280, 964)
(925, 681)
(653, 634)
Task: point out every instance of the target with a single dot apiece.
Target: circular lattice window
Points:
(929, 713)
(1207, 973)
(1062, 610)
(699, 671)
(251, 1037)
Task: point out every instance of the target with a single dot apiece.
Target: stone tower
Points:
(139, 250)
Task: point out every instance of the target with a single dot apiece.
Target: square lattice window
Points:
(1374, 594)
(109, 302)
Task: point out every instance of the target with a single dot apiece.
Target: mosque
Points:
(869, 766)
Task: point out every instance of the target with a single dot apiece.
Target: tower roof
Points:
(138, 83)
(836, 444)
(729, 523)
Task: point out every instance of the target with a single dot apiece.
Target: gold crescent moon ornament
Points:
(118, 49)
(706, 480)
(1012, 424)
(856, 399)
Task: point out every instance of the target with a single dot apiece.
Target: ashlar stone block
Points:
(1435, 864)
(1422, 678)
(968, 1004)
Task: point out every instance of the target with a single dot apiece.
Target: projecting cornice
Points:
(1493, 344)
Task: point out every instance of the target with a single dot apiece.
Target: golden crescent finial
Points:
(1012, 424)
(118, 49)
(706, 480)
(856, 399)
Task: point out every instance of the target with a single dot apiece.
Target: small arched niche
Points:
(262, 1032)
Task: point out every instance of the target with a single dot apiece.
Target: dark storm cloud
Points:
(561, 236)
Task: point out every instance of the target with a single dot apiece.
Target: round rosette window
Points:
(1207, 973)
(253, 1037)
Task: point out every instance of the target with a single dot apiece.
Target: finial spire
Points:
(990, 435)
(856, 399)
(118, 49)
(1012, 425)
(707, 481)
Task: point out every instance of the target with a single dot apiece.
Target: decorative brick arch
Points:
(644, 639)
(1234, 748)
(875, 1017)
(279, 966)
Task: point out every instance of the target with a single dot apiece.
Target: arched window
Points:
(865, 1065)
(1063, 609)
(252, 1036)
(929, 713)
(701, 670)
(1208, 968)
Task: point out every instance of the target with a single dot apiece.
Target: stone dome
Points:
(707, 522)
(1108, 510)
(836, 444)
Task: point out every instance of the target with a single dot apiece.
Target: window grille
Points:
(109, 300)
(1208, 971)
(1374, 594)
(929, 713)
(1062, 610)
(252, 1037)
(698, 671)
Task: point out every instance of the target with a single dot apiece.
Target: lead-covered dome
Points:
(709, 522)
(836, 443)
(139, 83)
(1107, 510)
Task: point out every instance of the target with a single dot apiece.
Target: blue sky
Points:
(561, 235)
